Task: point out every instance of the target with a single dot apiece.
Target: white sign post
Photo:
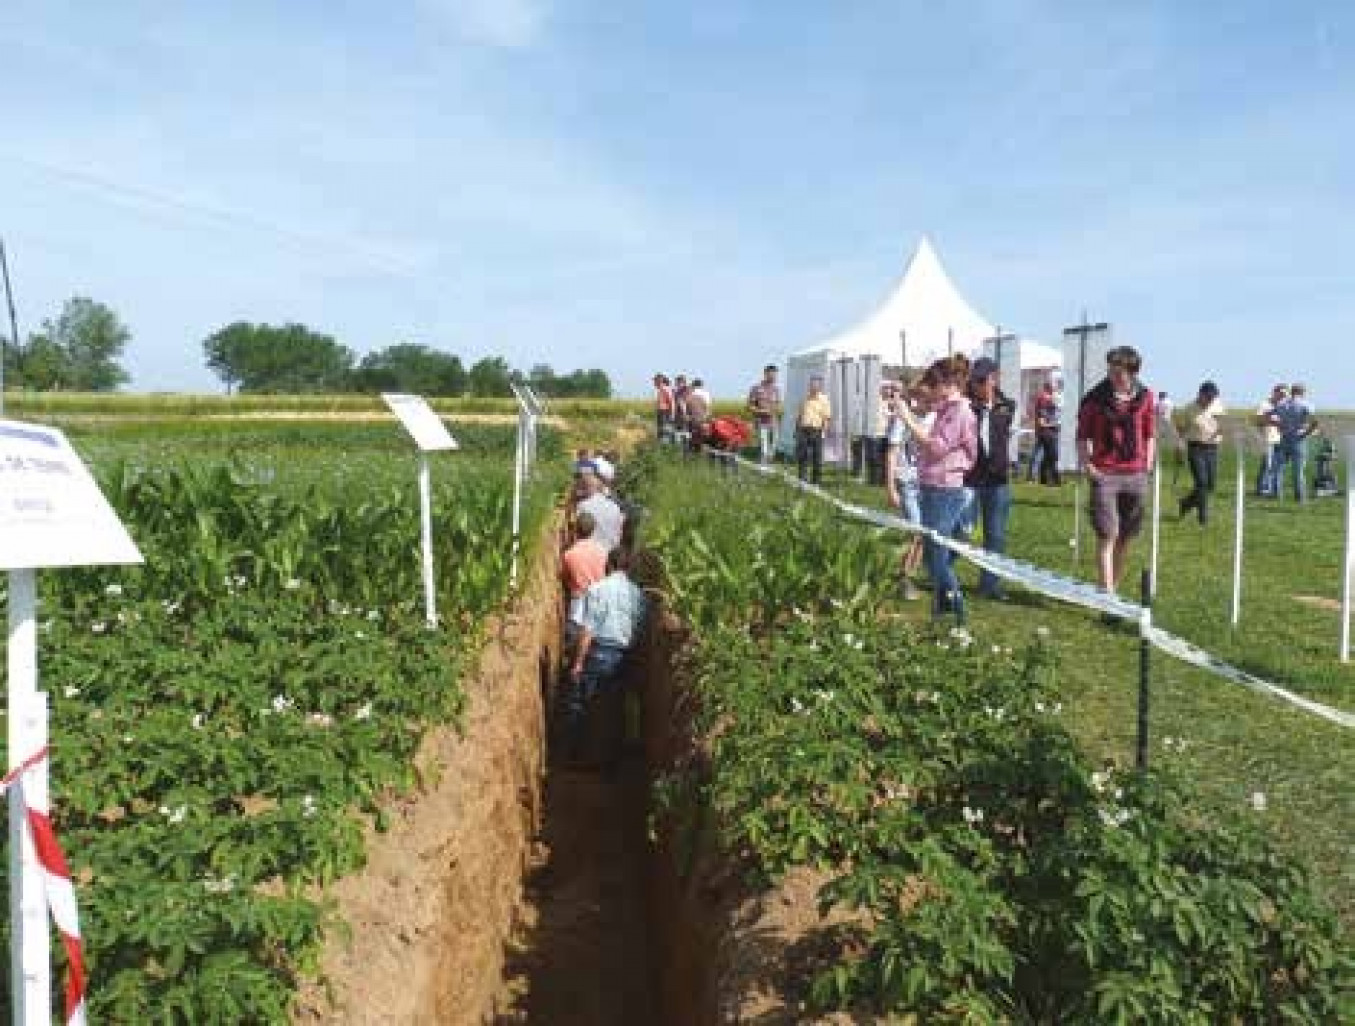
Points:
(52, 514)
(1157, 519)
(430, 434)
(1239, 526)
(1346, 580)
(522, 458)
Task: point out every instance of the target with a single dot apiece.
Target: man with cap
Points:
(989, 477)
(608, 520)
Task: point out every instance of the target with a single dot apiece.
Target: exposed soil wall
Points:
(430, 914)
(723, 952)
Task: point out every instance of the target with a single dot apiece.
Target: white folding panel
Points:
(1084, 365)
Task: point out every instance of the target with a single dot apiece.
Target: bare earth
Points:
(431, 912)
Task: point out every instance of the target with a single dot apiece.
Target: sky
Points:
(695, 187)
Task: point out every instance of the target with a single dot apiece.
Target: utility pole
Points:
(13, 324)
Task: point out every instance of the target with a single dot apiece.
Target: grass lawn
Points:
(1236, 743)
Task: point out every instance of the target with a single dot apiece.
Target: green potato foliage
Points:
(227, 717)
(988, 873)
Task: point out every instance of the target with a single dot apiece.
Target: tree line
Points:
(82, 351)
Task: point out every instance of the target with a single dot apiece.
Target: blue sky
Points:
(696, 187)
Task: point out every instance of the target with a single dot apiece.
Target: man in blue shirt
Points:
(1293, 418)
(613, 613)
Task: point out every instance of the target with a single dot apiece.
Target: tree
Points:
(408, 367)
(80, 350)
(266, 358)
(489, 377)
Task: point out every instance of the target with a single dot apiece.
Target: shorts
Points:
(1117, 505)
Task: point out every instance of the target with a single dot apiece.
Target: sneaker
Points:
(908, 591)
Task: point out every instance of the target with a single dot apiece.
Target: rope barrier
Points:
(1075, 592)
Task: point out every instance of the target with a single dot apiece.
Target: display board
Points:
(51, 510)
(430, 434)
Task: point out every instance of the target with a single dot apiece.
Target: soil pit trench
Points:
(512, 890)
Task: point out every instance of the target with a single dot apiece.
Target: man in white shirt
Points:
(613, 613)
(607, 517)
(1267, 480)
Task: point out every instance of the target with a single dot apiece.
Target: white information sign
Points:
(430, 434)
(51, 510)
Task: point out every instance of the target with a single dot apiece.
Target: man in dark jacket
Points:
(990, 478)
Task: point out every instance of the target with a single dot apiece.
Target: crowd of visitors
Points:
(943, 448)
(604, 612)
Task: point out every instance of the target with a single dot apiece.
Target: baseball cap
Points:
(603, 468)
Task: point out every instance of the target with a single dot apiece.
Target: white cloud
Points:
(508, 24)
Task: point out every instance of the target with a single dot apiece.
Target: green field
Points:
(227, 718)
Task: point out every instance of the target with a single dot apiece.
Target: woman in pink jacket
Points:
(947, 449)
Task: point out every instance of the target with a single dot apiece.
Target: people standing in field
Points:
(606, 513)
(698, 410)
(989, 479)
(879, 443)
(610, 621)
(681, 390)
(816, 413)
(1166, 411)
(1293, 416)
(1203, 436)
(1267, 478)
(764, 406)
(947, 449)
(1048, 415)
(901, 479)
(663, 408)
(1116, 439)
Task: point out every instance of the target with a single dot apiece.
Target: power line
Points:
(139, 197)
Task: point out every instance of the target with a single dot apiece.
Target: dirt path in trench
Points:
(580, 956)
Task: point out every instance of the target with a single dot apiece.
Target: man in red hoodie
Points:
(1116, 440)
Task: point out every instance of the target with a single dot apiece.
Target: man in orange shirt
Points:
(582, 565)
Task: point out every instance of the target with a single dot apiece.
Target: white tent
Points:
(922, 320)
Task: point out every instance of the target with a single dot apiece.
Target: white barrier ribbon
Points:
(1074, 592)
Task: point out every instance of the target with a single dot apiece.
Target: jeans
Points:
(1045, 456)
(766, 441)
(1291, 451)
(598, 686)
(809, 452)
(991, 508)
(1204, 468)
(1268, 478)
(943, 510)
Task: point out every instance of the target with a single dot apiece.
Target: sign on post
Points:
(52, 514)
(430, 434)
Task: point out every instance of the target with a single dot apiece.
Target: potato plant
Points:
(994, 874)
(227, 716)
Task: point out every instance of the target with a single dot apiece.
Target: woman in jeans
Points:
(947, 449)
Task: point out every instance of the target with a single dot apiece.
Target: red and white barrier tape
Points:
(58, 888)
